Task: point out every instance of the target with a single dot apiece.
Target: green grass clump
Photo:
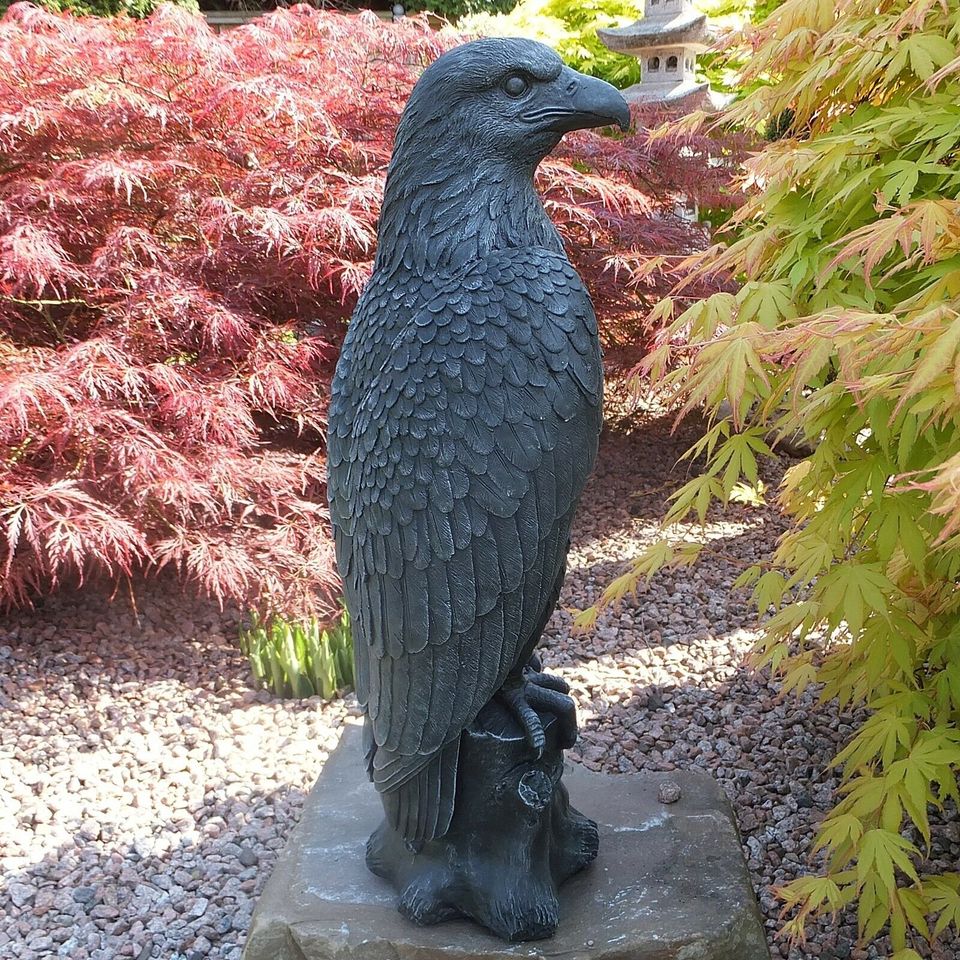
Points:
(300, 658)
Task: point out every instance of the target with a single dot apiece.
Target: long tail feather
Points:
(421, 807)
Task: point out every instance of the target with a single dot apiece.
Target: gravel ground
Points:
(145, 789)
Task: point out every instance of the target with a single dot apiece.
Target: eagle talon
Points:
(515, 697)
(547, 681)
(522, 696)
(555, 701)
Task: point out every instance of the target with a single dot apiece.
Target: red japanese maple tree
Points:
(186, 220)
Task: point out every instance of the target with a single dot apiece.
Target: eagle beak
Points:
(589, 102)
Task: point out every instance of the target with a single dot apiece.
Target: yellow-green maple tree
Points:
(846, 330)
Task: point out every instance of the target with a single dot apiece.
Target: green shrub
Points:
(302, 658)
(455, 10)
(846, 330)
(725, 70)
(570, 27)
(109, 8)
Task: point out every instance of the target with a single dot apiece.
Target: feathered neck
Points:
(440, 213)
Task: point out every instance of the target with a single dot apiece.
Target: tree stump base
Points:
(513, 840)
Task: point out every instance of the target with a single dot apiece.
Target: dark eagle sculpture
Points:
(464, 420)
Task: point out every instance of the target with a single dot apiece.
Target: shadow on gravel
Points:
(161, 634)
(742, 543)
(675, 607)
(639, 467)
(186, 891)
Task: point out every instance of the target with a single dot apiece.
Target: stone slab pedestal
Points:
(670, 881)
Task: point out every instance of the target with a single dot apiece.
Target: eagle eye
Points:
(515, 85)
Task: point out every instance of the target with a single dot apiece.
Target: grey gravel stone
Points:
(196, 908)
(669, 791)
(248, 857)
(200, 947)
(21, 894)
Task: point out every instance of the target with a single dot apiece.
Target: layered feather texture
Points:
(452, 503)
(464, 420)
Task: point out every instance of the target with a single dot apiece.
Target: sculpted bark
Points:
(464, 422)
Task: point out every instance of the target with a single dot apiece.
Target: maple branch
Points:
(39, 304)
(123, 81)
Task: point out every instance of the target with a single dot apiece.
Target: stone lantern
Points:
(666, 40)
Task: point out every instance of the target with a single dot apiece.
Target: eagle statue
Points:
(464, 421)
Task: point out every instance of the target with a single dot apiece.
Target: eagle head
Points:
(505, 99)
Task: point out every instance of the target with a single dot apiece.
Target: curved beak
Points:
(588, 102)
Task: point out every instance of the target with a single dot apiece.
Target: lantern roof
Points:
(664, 24)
